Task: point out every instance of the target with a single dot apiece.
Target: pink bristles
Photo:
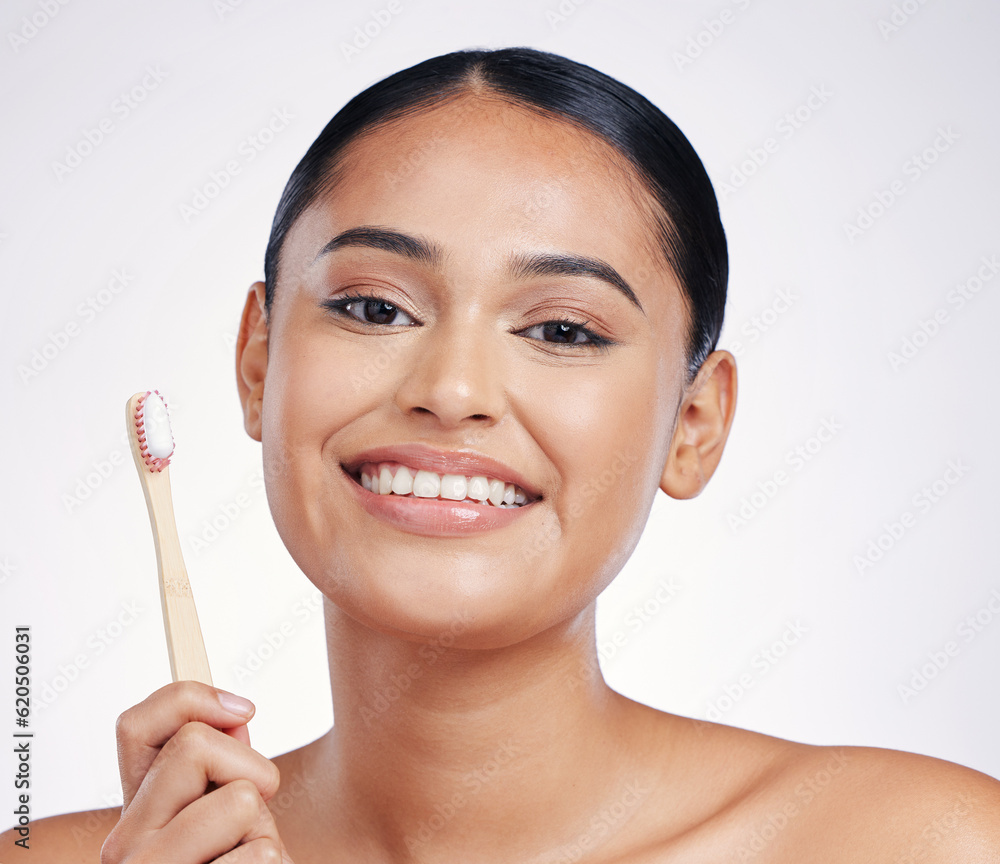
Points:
(160, 428)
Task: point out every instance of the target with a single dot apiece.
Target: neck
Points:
(433, 744)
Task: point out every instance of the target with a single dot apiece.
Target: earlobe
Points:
(251, 359)
(703, 422)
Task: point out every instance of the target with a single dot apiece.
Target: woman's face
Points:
(471, 357)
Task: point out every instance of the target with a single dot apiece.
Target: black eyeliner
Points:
(339, 303)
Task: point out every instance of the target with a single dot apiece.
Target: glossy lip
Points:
(422, 456)
(434, 517)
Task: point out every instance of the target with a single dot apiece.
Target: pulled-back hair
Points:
(691, 236)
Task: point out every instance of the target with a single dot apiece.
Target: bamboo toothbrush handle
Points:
(188, 660)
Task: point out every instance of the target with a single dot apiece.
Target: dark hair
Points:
(691, 236)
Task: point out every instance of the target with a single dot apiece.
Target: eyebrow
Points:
(521, 266)
(547, 264)
(386, 239)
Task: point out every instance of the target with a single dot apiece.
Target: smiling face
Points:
(483, 235)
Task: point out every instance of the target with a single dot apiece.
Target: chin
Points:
(458, 602)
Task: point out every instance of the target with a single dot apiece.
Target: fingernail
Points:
(235, 704)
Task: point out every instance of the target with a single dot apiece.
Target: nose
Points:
(455, 375)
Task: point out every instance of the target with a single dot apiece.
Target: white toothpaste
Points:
(156, 425)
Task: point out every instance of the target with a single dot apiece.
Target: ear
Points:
(251, 359)
(703, 421)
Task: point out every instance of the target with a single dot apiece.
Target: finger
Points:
(145, 728)
(256, 852)
(187, 763)
(232, 817)
(240, 733)
(227, 820)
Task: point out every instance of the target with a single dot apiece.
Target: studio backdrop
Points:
(836, 583)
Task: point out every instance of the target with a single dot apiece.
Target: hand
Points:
(193, 789)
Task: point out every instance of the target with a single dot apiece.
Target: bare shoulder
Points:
(773, 800)
(70, 838)
(879, 805)
(918, 807)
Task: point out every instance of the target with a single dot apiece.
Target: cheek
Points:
(311, 392)
(602, 429)
(315, 383)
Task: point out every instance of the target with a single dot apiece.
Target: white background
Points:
(71, 562)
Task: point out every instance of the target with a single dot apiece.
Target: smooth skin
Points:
(506, 745)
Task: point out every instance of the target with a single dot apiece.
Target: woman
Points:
(485, 338)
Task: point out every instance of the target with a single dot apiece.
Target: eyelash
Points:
(339, 306)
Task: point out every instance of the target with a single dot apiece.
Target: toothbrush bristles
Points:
(154, 463)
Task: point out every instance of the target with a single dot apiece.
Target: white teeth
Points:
(496, 492)
(453, 487)
(479, 488)
(402, 483)
(426, 484)
(382, 480)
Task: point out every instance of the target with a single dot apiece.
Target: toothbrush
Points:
(152, 445)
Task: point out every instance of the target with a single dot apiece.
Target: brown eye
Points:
(559, 331)
(379, 311)
(368, 310)
(568, 333)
